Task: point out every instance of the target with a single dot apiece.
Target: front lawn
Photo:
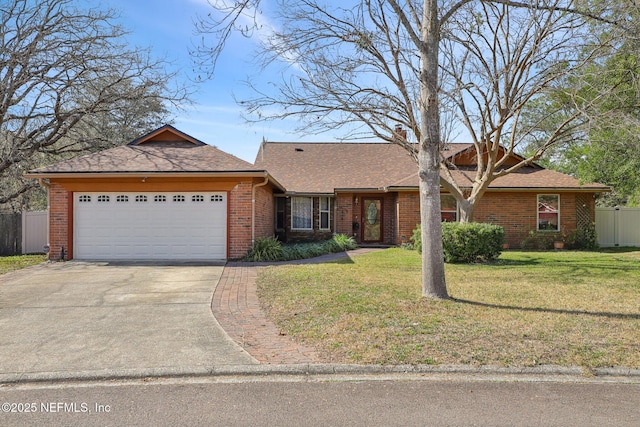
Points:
(527, 308)
(10, 263)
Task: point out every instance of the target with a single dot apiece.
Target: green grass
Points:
(11, 263)
(525, 309)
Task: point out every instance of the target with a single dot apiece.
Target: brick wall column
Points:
(58, 221)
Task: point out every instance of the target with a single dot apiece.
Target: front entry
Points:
(372, 220)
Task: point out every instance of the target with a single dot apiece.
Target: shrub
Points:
(416, 239)
(344, 242)
(471, 242)
(540, 241)
(265, 249)
(270, 249)
(466, 242)
(585, 238)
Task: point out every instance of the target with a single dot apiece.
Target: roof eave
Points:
(142, 174)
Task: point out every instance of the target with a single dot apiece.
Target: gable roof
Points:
(324, 168)
(163, 151)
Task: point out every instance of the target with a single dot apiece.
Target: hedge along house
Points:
(370, 191)
(164, 196)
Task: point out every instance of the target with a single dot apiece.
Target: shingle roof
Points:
(165, 150)
(152, 158)
(323, 167)
(310, 168)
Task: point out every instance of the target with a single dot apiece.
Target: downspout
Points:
(44, 182)
(253, 209)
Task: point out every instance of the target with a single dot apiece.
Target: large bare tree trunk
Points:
(433, 279)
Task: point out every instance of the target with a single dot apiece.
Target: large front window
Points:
(302, 213)
(548, 212)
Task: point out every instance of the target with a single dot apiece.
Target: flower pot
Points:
(558, 245)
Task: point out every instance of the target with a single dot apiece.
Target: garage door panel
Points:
(128, 227)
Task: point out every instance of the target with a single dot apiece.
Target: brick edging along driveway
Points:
(235, 306)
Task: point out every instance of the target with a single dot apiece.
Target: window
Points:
(325, 213)
(141, 198)
(84, 198)
(216, 198)
(103, 198)
(178, 198)
(197, 198)
(548, 212)
(160, 198)
(301, 213)
(281, 203)
(448, 208)
(122, 198)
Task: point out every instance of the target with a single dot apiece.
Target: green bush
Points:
(270, 249)
(585, 238)
(265, 249)
(466, 242)
(541, 241)
(471, 242)
(416, 239)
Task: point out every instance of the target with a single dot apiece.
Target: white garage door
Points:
(150, 226)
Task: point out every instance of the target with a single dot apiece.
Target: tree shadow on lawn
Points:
(550, 310)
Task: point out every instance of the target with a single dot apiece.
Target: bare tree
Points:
(369, 65)
(66, 76)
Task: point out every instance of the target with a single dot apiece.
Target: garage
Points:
(150, 226)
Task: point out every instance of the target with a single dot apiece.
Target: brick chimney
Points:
(399, 134)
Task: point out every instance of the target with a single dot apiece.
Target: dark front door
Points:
(372, 220)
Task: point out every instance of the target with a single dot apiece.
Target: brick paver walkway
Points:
(235, 306)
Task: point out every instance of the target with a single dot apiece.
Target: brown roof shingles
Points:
(322, 168)
(152, 158)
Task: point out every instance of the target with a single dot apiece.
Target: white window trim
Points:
(293, 202)
(327, 211)
(538, 214)
(457, 210)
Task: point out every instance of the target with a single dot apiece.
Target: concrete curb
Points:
(401, 372)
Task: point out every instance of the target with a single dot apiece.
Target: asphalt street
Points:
(292, 401)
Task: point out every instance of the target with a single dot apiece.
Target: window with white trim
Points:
(548, 212)
(84, 198)
(217, 198)
(301, 213)
(122, 198)
(197, 198)
(160, 198)
(448, 208)
(178, 198)
(103, 198)
(141, 198)
(325, 213)
(281, 204)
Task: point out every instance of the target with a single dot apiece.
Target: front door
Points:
(372, 220)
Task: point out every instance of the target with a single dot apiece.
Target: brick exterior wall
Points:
(408, 215)
(344, 214)
(59, 216)
(265, 214)
(517, 213)
(240, 219)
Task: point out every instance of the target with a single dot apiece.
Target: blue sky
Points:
(166, 26)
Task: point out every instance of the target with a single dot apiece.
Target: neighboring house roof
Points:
(324, 168)
(163, 151)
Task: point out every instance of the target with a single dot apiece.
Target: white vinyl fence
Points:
(618, 226)
(34, 231)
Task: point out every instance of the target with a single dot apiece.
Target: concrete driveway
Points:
(78, 316)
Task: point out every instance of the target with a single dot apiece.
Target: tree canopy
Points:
(69, 83)
(435, 67)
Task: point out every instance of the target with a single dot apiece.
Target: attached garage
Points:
(164, 196)
(150, 226)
